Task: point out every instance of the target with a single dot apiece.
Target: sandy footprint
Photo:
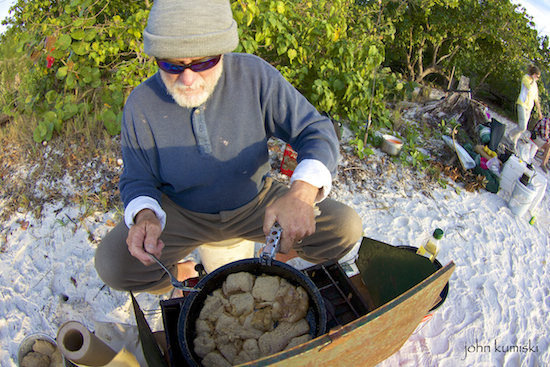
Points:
(434, 326)
(512, 360)
(438, 345)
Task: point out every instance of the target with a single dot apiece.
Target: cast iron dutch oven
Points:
(193, 303)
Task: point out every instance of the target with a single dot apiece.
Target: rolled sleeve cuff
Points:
(314, 173)
(140, 203)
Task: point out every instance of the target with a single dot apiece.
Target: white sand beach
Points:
(496, 313)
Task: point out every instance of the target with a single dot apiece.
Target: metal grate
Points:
(343, 301)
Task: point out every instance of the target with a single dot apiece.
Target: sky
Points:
(540, 11)
(4, 8)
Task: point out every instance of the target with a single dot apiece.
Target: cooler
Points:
(511, 171)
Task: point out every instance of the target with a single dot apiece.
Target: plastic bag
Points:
(494, 165)
(465, 159)
(527, 151)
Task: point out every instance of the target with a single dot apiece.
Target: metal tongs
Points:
(272, 245)
(175, 283)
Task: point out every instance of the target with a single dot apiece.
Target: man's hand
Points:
(143, 237)
(294, 212)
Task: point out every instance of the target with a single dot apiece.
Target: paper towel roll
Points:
(79, 345)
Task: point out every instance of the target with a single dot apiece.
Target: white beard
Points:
(177, 89)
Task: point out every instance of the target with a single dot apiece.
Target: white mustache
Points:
(189, 88)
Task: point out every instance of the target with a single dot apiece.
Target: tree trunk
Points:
(458, 105)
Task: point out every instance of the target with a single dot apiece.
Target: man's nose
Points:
(188, 77)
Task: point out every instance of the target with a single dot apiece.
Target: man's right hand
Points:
(143, 237)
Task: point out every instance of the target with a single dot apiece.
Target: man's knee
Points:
(108, 267)
(119, 270)
(348, 224)
(336, 234)
(111, 258)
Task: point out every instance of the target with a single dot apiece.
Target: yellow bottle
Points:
(431, 247)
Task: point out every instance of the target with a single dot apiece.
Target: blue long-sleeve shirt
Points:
(215, 157)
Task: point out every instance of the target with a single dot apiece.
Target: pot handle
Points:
(272, 245)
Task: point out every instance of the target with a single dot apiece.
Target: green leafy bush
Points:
(330, 51)
(85, 57)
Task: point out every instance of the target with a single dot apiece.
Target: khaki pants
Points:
(338, 229)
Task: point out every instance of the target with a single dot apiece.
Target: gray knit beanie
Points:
(190, 28)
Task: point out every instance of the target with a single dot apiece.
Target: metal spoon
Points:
(176, 283)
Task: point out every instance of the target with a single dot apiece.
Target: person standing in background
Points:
(528, 97)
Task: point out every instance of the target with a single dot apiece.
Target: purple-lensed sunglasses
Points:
(196, 66)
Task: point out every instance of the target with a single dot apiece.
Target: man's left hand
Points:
(294, 212)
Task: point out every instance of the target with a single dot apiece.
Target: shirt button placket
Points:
(200, 130)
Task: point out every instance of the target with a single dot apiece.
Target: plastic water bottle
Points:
(431, 246)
